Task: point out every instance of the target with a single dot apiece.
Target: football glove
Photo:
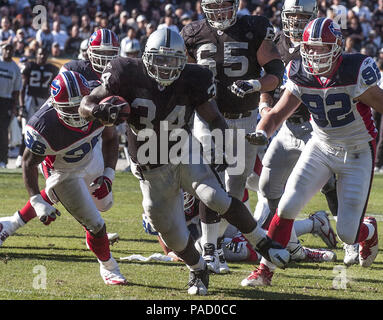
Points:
(107, 112)
(242, 87)
(258, 138)
(273, 252)
(103, 184)
(43, 209)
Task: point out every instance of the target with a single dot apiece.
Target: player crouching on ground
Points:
(78, 170)
(339, 91)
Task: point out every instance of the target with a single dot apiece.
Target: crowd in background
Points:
(70, 22)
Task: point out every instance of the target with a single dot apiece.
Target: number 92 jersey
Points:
(337, 118)
(66, 149)
(231, 55)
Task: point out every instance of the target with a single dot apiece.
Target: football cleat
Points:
(113, 238)
(223, 267)
(351, 254)
(8, 226)
(210, 255)
(273, 252)
(110, 273)
(259, 277)
(322, 228)
(198, 282)
(296, 250)
(319, 255)
(368, 249)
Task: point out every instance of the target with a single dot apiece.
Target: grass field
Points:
(72, 271)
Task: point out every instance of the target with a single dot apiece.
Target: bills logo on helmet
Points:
(84, 81)
(55, 87)
(335, 30)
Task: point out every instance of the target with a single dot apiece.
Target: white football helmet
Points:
(293, 25)
(220, 14)
(164, 56)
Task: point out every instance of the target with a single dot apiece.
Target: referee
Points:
(10, 85)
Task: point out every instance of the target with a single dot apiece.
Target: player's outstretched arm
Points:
(273, 119)
(372, 97)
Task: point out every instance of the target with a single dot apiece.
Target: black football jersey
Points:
(85, 68)
(39, 78)
(231, 55)
(289, 52)
(152, 104)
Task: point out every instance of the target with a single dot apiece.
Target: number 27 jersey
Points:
(338, 119)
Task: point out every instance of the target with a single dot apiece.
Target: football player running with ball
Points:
(163, 92)
(234, 48)
(69, 152)
(339, 90)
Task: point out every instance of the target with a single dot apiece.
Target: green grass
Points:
(73, 272)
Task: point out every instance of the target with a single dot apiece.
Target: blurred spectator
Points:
(86, 28)
(55, 50)
(19, 43)
(364, 15)
(66, 17)
(168, 23)
(150, 28)
(10, 85)
(377, 17)
(354, 31)
(59, 36)
(349, 45)
(44, 36)
(141, 26)
(130, 37)
(242, 9)
(6, 33)
(31, 50)
(73, 43)
(145, 9)
(121, 29)
(185, 19)
(114, 18)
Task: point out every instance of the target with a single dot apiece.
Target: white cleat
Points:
(296, 251)
(319, 255)
(8, 226)
(113, 238)
(223, 267)
(322, 228)
(211, 257)
(259, 277)
(351, 254)
(198, 282)
(110, 273)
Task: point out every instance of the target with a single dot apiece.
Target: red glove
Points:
(103, 183)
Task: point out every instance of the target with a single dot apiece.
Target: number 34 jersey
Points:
(231, 55)
(338, 119)
(66, 149)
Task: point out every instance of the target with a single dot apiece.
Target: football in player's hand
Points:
(122, 105)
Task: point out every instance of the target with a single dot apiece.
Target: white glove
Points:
(242, 87)
(43, 209)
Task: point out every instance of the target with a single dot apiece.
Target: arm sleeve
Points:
(369, 76)
(36, 143)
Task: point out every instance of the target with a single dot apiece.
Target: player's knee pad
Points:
(215, 199)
